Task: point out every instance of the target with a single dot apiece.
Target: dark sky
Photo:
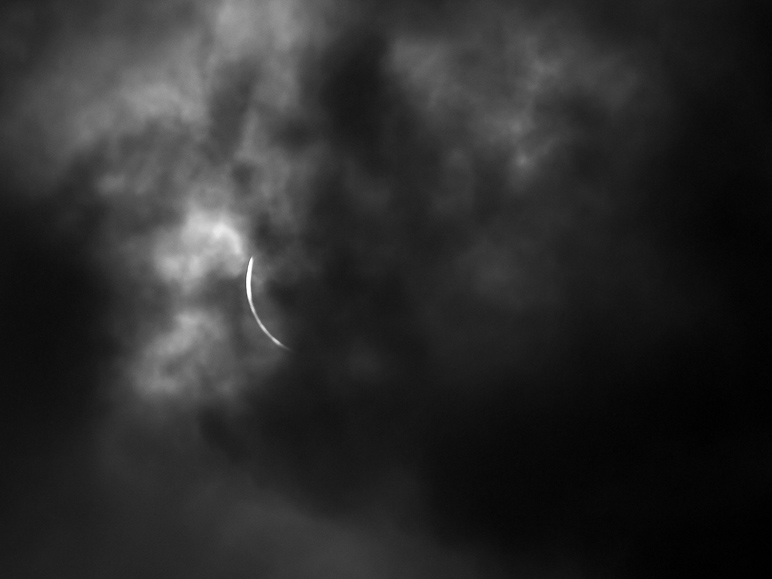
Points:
(520, 252)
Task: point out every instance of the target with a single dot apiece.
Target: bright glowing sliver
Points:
(252, 307)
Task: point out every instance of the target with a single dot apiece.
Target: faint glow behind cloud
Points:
(207, 243)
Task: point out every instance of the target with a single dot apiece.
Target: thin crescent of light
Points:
(252, 307)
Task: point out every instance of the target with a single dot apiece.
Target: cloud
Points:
(516, 249)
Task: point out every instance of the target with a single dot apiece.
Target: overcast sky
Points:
(519, 252)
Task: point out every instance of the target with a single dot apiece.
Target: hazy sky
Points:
(519, 251)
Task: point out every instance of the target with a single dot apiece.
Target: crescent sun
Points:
(252, 307)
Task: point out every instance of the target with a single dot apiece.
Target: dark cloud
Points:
(54, 314)
(519, 348)
(598, 426)
(228, 107)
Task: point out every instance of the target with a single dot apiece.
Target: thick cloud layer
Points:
(518, 250)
